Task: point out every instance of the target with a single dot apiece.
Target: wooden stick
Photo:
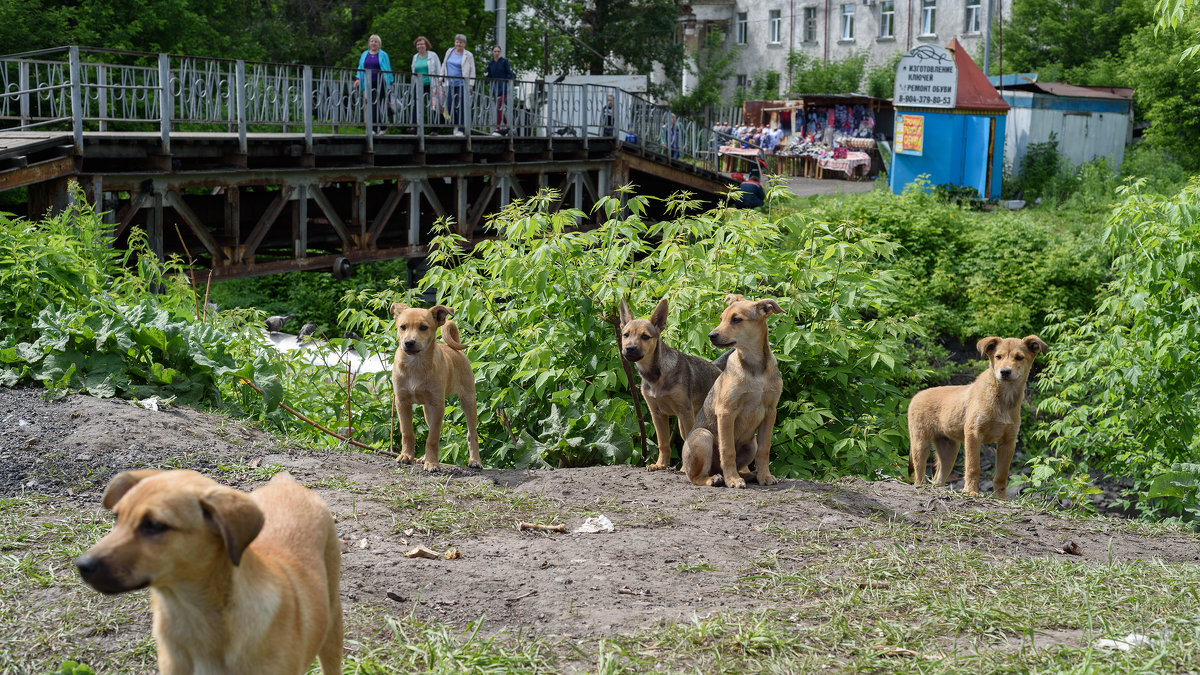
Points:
(534, 526)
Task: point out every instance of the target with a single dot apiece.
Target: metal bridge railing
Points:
(108, 90)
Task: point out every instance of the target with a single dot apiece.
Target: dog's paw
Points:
(765, 478)
(716, 481)
(430, 466)
(657, 467)
(735, 482)
(475, 465)
(405, 459)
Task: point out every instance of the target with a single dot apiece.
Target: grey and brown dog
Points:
(734, 425)
(673, 383)
(239, 583)
(986, 411)
(425, 371)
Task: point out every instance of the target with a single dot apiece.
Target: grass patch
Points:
(449, 507)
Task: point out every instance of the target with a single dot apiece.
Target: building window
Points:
(887, 18)
(974, 18)
(848, 22)
(810, 24)
(928, 17)
(776, 26)
(742, 81)
(743, 26)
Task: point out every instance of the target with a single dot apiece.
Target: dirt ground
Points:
(566, 584)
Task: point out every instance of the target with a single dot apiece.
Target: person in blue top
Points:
(499, 74)
(752, 191)
(458, 67)
(375, 78)
(670, 135)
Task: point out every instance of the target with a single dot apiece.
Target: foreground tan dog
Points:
(673, 383)
(986, 411)
(425, 371)
(741, 404)
(239, 583)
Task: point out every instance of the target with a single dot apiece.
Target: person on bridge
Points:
(376, 87)
(608, 117)
(670, 135)
(458, 67)
(425, 63)
(500, 74)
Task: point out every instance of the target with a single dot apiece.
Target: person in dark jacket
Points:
(752, 191)
(500, 74)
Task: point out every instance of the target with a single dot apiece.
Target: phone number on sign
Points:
(913, 99)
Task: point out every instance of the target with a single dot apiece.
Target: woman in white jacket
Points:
(427, 71)
(458, 66)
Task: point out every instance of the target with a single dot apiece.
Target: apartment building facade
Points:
(766, 31)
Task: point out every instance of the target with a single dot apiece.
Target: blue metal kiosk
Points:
(949, 122)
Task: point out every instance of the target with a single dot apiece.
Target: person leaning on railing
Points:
(375, 61)
(458, 66)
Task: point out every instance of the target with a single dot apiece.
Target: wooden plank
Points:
(175, 201)
(264, 224)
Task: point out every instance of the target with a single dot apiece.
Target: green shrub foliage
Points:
(1121, 384)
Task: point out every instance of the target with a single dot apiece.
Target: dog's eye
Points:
(645, 336)
(1018, 357)
(150, 526)
(403, 327)
(424, 327)
(736, 319)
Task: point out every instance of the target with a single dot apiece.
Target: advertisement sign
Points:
(926, 77)
(910, 134)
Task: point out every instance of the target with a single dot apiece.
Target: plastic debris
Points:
(597, 524)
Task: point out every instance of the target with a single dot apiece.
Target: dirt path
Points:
(577, 585)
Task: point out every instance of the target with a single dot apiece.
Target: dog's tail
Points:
(451, 336)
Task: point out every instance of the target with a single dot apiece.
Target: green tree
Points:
(1168, 90)
(810, 75)
(1043, 33)
(713, 66)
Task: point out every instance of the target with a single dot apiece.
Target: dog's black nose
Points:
(713, 337)
(1005, 373)
(87, 565)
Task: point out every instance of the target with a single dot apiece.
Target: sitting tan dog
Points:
(986, 411)
(673, 383)
(734, 425)
(425, 371)
(239, 583)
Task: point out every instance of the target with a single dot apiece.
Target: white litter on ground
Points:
(597, 524)
(1131, 641)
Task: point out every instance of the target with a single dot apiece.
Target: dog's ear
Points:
(659, 316)
(732, 298)
(440, 313)
(124, 482)
(768, 307)
(623, 313)
(988, 345)
(1036, 345)
(398, 307)
(235, 515)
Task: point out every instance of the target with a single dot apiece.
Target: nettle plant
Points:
(537, 307)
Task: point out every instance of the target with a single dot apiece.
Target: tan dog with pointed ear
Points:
(986, 411)
(425, 371)
(239, 583)
(734, 426)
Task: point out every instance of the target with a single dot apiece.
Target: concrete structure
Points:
(1087, 122)
(765, 31)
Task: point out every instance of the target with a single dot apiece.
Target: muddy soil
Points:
(566, 584)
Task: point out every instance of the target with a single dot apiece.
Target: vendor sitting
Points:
(752, 191)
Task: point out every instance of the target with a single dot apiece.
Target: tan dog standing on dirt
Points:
(734, 425)
(673, 383)
(425, 371)
(986, 411)
(239, 583)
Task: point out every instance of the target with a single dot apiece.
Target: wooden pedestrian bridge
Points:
(250, 168)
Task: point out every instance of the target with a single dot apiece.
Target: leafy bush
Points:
(968, 274)
(537, 307)
(1043, 174)
(1162, 174)
(811, 75)
(1121, 382)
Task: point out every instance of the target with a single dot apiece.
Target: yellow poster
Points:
(910, 134)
